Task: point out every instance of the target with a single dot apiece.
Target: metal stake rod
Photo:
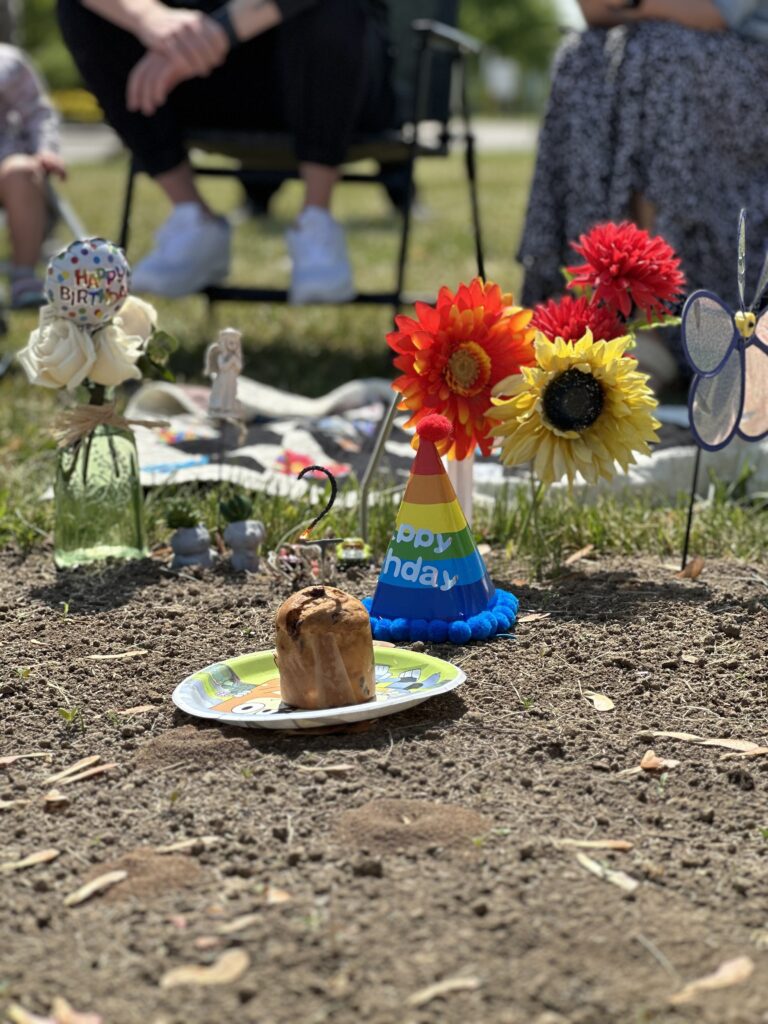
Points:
(689, 521)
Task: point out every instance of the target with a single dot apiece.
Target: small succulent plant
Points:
(236, 508)
(181, 515)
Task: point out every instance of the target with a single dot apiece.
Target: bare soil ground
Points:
(426, 849)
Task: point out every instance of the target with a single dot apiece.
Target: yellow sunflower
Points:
(581, 409)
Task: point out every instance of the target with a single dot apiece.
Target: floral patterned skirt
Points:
(676, 115)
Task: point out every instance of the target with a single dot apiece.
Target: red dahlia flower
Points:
(568, 318)
(453, 354)
(625, 267)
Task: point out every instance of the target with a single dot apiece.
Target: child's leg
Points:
(22, 194)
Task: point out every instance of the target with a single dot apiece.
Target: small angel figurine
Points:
(223, 363)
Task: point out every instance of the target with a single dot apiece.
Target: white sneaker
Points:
(321, 268)
(192, 250)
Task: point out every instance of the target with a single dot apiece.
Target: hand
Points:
(195, 42)
(52, 163)
(151, 81)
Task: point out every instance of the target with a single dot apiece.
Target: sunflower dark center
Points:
(573, 401)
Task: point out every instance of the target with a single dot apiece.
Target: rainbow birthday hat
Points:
(434, 584)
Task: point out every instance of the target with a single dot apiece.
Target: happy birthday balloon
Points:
(88, 281)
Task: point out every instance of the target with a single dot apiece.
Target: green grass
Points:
(313, 350)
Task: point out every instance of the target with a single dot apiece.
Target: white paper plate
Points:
(245, 691)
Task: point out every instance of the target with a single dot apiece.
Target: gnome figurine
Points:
(434, 584)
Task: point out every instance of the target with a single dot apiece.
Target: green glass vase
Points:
(99, 502)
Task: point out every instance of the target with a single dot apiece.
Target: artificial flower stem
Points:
(536, 495)
(532, 514)
(98, 396)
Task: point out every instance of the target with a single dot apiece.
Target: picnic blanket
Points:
(282, 433)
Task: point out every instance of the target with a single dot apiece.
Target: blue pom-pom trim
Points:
(498, 618)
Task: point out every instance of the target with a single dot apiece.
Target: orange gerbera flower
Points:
(452, 355)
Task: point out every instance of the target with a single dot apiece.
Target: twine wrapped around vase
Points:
(73, 425)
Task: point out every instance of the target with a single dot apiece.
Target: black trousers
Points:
(320, 76)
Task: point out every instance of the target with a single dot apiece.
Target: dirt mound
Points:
(385, 826)
(150, 874)
(188, 743)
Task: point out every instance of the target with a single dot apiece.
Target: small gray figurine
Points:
(243, 535)
(190, 541)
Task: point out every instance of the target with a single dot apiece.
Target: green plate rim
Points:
(323, 713)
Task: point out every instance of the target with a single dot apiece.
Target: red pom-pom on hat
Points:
(434, 427)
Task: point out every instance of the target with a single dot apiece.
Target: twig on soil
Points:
(170, 767)
(178, 573)
(385, 757)
(698, 707)
(657, 955)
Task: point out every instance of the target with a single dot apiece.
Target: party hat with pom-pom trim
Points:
(434, 584)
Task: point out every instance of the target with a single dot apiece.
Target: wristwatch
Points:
(222, 16)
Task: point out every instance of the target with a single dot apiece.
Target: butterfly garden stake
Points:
(728, 352)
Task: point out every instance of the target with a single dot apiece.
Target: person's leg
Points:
(22, 196)
(323, 66)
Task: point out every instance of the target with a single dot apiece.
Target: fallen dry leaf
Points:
(692, 570)
(230, 966)
(754, 752)
(731, 972)
(16, 1014)
(140, 709)
(685, 737)
(186, 844)
(745, 746)
(651, 762)
(274, 896)
(330, 768)
(599, 700)
(96, 885)
(691, 659)
(534, 616)
(621, 845)
(55, 801)
(63, 1013)
(116, 657)
(578, 555)
(12, 758)
(76, 767)
(619, 878)
(237, 924)
(443, 988)
(96, 770)
(41, 857)
(6, 805)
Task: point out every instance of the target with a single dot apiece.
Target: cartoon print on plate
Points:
(246, 691)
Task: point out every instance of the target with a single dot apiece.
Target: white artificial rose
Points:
(116, 356)
(59, 354)
(137, 317)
